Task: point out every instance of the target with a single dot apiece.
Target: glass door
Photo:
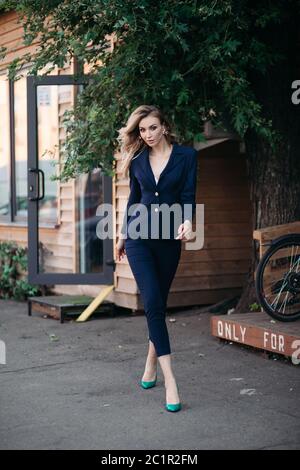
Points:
(62, 221)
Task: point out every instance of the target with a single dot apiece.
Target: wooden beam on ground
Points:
(94, 304)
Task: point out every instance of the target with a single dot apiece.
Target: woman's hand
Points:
(185, 231)
(120, 249)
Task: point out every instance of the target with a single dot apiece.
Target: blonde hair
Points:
(129, 139)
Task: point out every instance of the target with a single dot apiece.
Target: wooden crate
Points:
(265, 235)
(257, 329)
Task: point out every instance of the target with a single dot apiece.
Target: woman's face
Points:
(151, 130)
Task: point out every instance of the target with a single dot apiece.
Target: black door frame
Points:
(34, 276)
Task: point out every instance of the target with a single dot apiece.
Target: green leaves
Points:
(186, 56)
(3, 51)
(230, 46)
(13, 266)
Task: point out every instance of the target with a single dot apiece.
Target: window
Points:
(20, 153)
(13, 148)
(4, 148)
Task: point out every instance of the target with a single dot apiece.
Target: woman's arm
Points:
(134, 197)
(188, 198)
(188, 193)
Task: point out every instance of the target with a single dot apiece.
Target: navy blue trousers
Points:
(153, 263)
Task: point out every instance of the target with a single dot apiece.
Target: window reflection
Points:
(49, 133)
(89, 197)
(74, 246)
(20, 115)
(4, 146)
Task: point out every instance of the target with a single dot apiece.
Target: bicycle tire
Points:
(282, 242)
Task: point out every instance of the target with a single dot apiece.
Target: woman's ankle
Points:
(151, 362)
(170, 381)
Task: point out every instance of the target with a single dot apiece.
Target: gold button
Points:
(156, 210)
(156, 194)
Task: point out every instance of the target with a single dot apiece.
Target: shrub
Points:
(13, 271)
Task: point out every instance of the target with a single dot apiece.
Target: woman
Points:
(161, 172)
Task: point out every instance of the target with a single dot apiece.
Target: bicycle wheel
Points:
(278, 279)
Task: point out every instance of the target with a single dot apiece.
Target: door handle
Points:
(39, 197)
(111, 262)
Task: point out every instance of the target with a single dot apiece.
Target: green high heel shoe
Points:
(148, 384)
(175, 407)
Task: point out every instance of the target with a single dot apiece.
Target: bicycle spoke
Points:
(278, 296)
(284, 302)
(277, 278)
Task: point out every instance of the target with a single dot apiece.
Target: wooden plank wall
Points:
(219, 269)
(11, 37)
(266, 235)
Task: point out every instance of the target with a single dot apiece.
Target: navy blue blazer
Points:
(177, 184)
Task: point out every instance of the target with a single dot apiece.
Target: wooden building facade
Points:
(69, 254)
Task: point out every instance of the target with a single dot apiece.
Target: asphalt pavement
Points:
(75, 386)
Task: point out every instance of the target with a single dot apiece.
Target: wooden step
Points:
(61, 307)
(259, 330)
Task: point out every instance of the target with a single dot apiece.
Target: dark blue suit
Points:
(154, 260)
(176, 185)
